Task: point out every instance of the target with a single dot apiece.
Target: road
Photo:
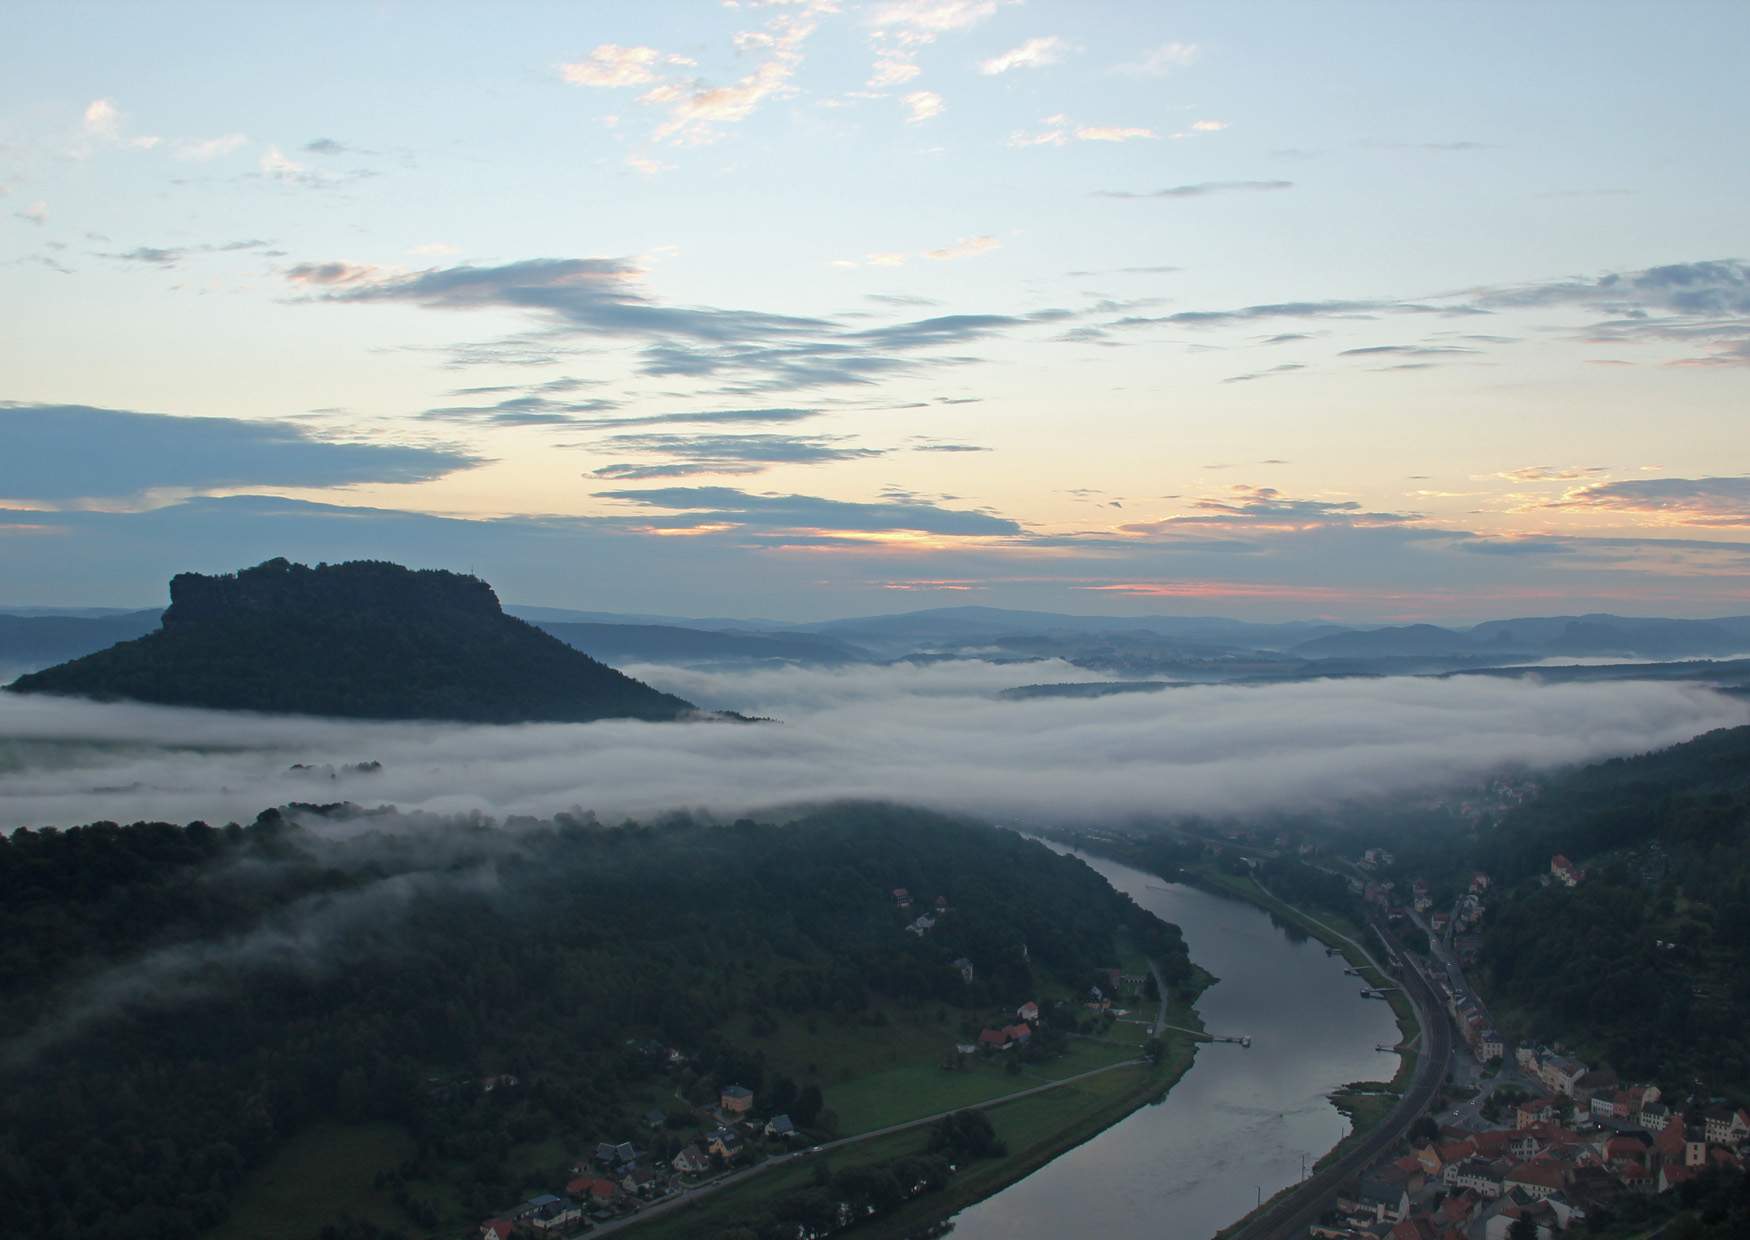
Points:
(685, 1199)
(1291, 1214)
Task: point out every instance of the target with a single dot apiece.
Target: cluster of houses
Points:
(619, 1176)
(1556, 1159)
(1003, 1037)
(924, 922)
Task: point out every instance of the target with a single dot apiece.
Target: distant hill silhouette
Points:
(367, 639)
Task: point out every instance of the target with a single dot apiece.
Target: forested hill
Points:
(176, 1002)
(363, 640)
(1647, 961)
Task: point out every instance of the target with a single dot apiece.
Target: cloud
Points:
(949, 447)
(933, 17)
(36, 213)
(923, 105)
(1283, 369)
(1721, 501)
(966, 247)
(527, 410)
(1112, 133)
(1199, 189)
(1059, 130)
(1551, 473)
(173, 256)
(273, 163)
(201, 150)
(325, 146)
(692, 455)
(65, 452)
(604, 297)
(1403, 350)
(720, 505)
(939, 734)
(1160, 61)
(1125, 271)
(1033, 54)
(697, 110)
(102, 121)
(610, 65)
(1244, 506)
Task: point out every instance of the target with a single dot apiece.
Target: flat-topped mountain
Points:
(367, 639)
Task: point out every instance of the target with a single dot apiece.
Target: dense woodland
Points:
(1647, 961)
(365, 640)
(179, 1000)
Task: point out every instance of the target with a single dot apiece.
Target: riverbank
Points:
(1035, 1130)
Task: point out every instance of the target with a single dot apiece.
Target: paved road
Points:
(1290, 1215)
(670, 1204)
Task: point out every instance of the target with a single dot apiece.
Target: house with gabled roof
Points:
(496, 1229)
(735, 1099)
(780, 1126)
(691, 1161)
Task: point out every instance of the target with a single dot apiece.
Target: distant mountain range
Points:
(361, 640)
(1130, 648)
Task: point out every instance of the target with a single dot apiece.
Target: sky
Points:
(1360, 311)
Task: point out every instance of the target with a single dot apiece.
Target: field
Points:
(325, 1167)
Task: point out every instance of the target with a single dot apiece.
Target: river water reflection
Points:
(1240, 1121)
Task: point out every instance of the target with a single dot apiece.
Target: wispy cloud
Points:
(1160, 61)
(726, 505)
(696, 109)
(1033, 54)
(173, 256)
(966, 247)
(1113, 133)
(693, 455)
(1719, 501)
(201, 150)
(923, 105)
(1199, 189)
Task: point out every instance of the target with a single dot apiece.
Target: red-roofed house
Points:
(1028, 1010)
(1671, 1177)
(1564, 871)
(1539, 1179)
(598, 1190)
(1019, 1032)
(996, 1039)
(496, 1229)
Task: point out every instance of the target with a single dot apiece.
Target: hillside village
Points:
(1544, 1137)
(620, 1178)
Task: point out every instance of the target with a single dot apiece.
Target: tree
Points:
(808, 1105)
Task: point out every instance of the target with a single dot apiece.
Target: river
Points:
(1240, 1121)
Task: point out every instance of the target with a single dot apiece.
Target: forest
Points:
(180, 1000)
(1647, 962)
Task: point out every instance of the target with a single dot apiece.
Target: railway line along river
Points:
(1238, 1125)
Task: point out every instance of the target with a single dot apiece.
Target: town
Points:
(1536, 1142)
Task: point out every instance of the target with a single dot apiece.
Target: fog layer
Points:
(934, 736)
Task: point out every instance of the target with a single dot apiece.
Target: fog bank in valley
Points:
(934, 736)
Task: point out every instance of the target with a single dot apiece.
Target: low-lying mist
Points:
(934, 736)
